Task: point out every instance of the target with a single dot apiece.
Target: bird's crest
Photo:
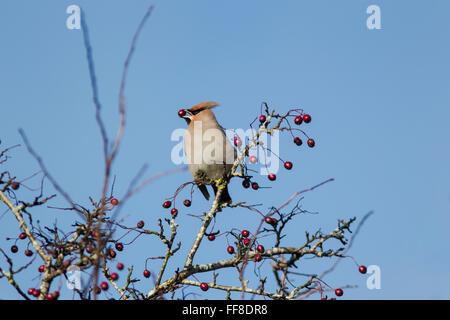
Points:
(203, 106)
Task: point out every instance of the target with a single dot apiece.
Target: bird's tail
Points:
(225, 196)
(204, 191)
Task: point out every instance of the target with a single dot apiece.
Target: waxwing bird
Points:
(209, 154)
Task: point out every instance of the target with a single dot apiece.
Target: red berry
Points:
(246, 241)
(237, 142)
(288, 165)
(246, 183)
(55, 295)
(311, 143)
(245, 233)
(181, 113)
(174, 212)
(111, 254)
(362, 269)
(120, 266)
(30, 291)
(95, 234)
(298, 141)
(114, 201)
(119, 246)
(22, 236)
(211, 237)
(255, 186)
(140, 224)
(49, 296)
(15, 185)
(89, 249)
(253, 159)
(114, 276)
(307, 118)
(187, 203)
(339, 292)
(258, 257)
(97, 290)
(104, 285)
(272, 176)
(167, 204)
(28, 253)
(67, 263)
(298, 120)
(262, 118)
(41, 268)
(146, 273)
(260, 248)
(230, 249)
(204, 286)
(36, 292)
(271, 221)
(14, 249)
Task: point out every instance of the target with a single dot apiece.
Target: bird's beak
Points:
(188, 115)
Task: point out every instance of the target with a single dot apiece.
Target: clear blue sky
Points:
(379, 100)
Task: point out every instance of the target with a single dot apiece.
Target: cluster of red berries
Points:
(14, 248)
(306, 118)
(167, 204)
(50, 296)
(115, 276)
(246, 242)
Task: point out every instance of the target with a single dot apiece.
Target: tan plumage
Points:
(209, 154)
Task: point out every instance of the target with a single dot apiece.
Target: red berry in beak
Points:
(181, 113)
